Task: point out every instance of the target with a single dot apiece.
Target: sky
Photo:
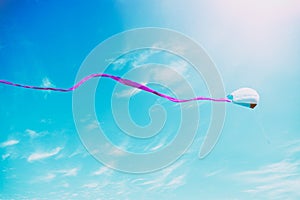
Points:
(252, 44)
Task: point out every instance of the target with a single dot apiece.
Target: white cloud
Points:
(157, 146)
(31, 133)
(141, 58)
(90, 185)
(134, 59)
(166, 75)
(292, 147)
(167, 179)
(65, 185)
(63, 173)
(172, 76)
(282, 167)
(70, 172)
(274, 180)
(9, 143)
(48, 177)
(128, 92)
(119, 64)
(102, 170)
(279, 180)
(92, 125)
(45, 178)
(171, 169)
(176, 182)
(46, 121)
(112, 150)
(177, 47)
(116, 152)
(5, 156)
(213, 173)
(47, 83)
(43, 155)
(180, 66)
(79, 151)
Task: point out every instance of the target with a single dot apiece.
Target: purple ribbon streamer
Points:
(120, 80)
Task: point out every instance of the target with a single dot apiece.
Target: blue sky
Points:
(253, 44)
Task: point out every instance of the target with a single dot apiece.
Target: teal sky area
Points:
(252, 44)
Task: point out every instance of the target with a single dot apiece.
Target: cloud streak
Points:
(167, 179)
(279, 180)
(102, 170)
(9, 143)
(47, 83)
(5, 156)
(69, 172)
(43, 155)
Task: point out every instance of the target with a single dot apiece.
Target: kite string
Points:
(122, 81)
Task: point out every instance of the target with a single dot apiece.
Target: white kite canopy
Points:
(244, 97)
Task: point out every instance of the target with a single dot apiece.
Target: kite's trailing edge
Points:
(238, 97)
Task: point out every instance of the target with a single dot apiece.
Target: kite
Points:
(245, 96)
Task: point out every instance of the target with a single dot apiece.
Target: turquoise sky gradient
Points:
(253, 44)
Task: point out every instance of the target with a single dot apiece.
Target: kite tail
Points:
(122, 81)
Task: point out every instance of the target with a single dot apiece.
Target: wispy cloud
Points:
(175, 47)
(43, 155)
(31, 133)
(9, 143)
(34, 134)
(292, 147)
(103, 170)
(5, 156)
(128, 92)
(47, 83)
(156, 144)
(213, 173)
(279, 180)
(132, 60)
(65, 185)
(141, 58)
(167, 179)
(80, 151)
(166, 74)
(49, 177)
(163, 75)
(58, 173)
(176, 182)
(46, 121)
(91, 185)
(69, 172)
(113, 151)
(116, 152)
(119, 63)
(92, 125)
(275, 180)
